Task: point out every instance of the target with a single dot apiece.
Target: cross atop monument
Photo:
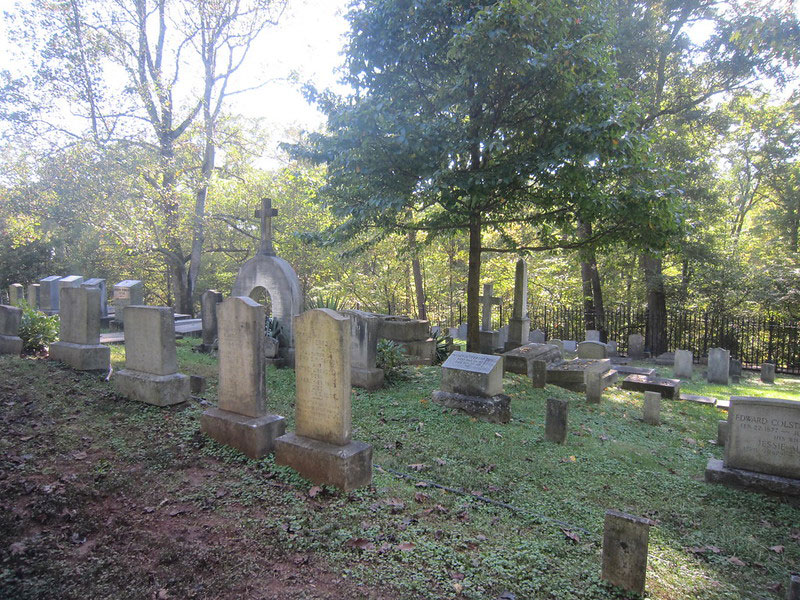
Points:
(487, 300)
(266, 212)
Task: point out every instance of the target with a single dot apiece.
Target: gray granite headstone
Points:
(683, 364)
(719, 364)
(625, 544)
(555, 424)
(10, 318)
(48, 294)
(536, 336)
(636, 345)
(100, 284)
(591, 349)
(592, 335)
(129, 292)
(473, 383)
(768, 372)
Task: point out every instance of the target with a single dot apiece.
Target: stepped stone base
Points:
(717, 472)
(346, 467)
(82, 357)
(161, 390)
(10, 344)
(254, 437)
(494, 409)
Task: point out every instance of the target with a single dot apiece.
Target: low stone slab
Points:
(254, 437)
(628, 370)
(668, 388)
(698, 399)
(82, 357)
(10, 344)
(347, 467)
(667, 358)
(724, 404)
(160, 390)
(620, 360)
(716, 472)
(494, 409)
(520, 360)
(570, 374)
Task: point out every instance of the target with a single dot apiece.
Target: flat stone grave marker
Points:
(669, 388)
(762, 450)
(79, 331)
(625, 544)
(520, 360)
(473, 383)
(698, 399)
(151, 361)
(569, 374)
(682, 368)
(321, 449)
(10, 319)
(591, 349)
(719, 364)
(241, 419)
(628, 370)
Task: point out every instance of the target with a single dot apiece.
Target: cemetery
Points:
(385, 300)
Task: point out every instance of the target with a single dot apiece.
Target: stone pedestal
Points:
(518, 333)
(473, 383)
(160, 390)
(490, 342)
(625, 543)
(493, 409)
(79, 331)
(347, 467)
(82, 357)
(252, 436)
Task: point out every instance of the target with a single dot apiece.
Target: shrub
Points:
(442, 346)
(37, 330)
(391, 357)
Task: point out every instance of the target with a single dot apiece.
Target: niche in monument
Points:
(272, 341)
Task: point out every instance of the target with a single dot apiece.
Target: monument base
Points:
(252, 436)
(160, 390)
(368, 379)
(346, 467)
(82, 357)
(717, 472)
(489, 342)
(518, 333)
(10, 344)
(668, 388)
(494, 409)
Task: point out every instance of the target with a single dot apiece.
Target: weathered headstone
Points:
(70, 281)
(571, 374)
(536, 337)
(762, 450)
(591, 349)
(520, 360)
(519, 325)
(79, 331)
(34, 291)
(10, 318)
(558, 343)
(364, 329)
(669, 388)
(570, 345)
(48, 294)
(652, 408)
(489, 338)
(16, 292)
(683, 364)
(719, 364)
(100, 284)
(241, 419)
(197, 384)
(594, 385)
(636, 346)
(555, 420)
(736, 370)
(129, 292)
(413, 335)
(473, 383)
(209, 302)
(321, 449)
(666, 359)
(722, 432)
(768, 372)
(592, 335)
(612, 348)
(625, 542)
(462, 331)
(151, 361)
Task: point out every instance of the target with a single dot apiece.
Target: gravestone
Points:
(79, 331)
(593, 379)
(462, 331)
(668, 388)
(570, 346)
(209, 303)
(71, 281)
(571, 374)
(612, 348)
(16, 292)
(735, 370)
(519, 325)
(197, 385)
(628, 370)
(413, 335)
(592, 335)
(557, 343)
(129, 292)
(48, 294)
(636, 346)
(489, 338)
(762, 450)
(100, 284)
(768, 372)
(10, 319)
(652, 408)
(537, 337)
(719, 364)
(592, 349)
(521, 359)
(682, 368)
(666, 359)
(241, 419)
(473, 383)
(151, 362)
(722, 431)
(625, 542)
(555, 420)
(364, 329)
(266, 271)
(793, 592)
(34, 292)
(321, 449)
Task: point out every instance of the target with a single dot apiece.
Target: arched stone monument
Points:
(277, 278)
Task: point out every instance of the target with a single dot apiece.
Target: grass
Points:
(400, 538)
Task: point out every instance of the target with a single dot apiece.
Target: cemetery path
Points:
(92, 512)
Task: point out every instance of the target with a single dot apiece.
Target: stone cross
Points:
(265, 213)
(487, 300)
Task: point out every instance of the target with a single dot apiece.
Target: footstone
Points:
(536, 336)
(719, 364)
(668, 388)
(555, 425)
(520, 360)
(79, 331)
(10, 319)
(652, 408)
(768, 373)
(625, 543)
(698, 399)
(683, 364)
(321, 449)
(538, 372)
(209, 302)
(722, 432)
(627, 370)
(151, 363)
(594, 386)
(100, 284)
(636, 346)
(364, 372)
(592, 349)
(473, 383)
(34, 293)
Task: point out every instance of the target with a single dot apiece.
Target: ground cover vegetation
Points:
(105, 497)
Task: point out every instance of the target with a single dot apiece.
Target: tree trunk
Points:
(198, 224)
(416, 268)
(474, 284)
(593, 306)
(656, 335)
